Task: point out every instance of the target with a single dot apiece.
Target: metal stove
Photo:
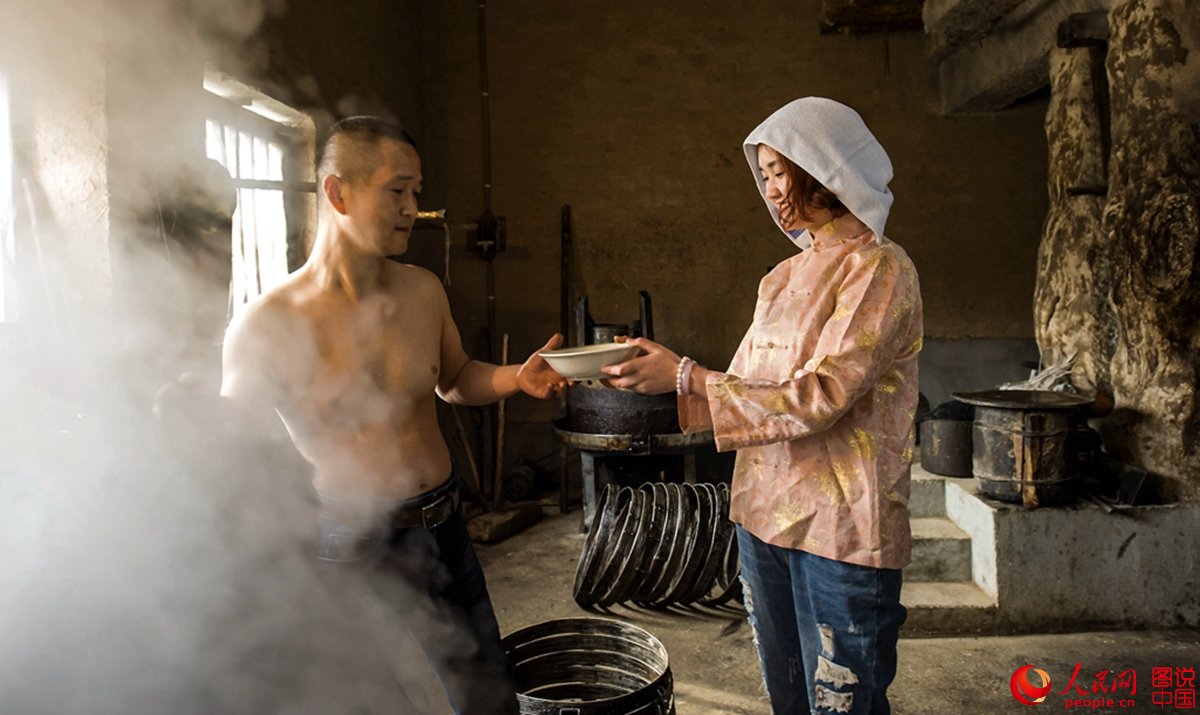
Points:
(597, 453)
(610, 426)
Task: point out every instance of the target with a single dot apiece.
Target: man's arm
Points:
(250, 382)
(463, 381)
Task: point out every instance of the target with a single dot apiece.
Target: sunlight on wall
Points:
(8, 288)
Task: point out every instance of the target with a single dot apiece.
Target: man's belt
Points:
(429, 515)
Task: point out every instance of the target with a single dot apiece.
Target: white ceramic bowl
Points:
(584, 362)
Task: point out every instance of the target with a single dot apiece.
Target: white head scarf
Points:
(830, 141)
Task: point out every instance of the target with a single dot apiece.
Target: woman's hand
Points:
(651, 372)
(536, 377)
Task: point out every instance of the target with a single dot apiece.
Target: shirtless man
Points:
(350, 351)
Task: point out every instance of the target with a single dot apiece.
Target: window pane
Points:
(245, 156)
(231, 151)
(272, 237)
(260, 159)
(274, 162)
(252, 152)
(214, 143)
(244, 243)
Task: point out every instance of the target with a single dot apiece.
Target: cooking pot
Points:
(596, 409)
(607, 332)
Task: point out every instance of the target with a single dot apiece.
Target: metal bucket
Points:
(589, 666)
(608, 332)
(946, 447)
(1020, 445)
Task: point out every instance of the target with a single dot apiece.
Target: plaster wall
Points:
(52, 60)
(949, 366)
(333, 62)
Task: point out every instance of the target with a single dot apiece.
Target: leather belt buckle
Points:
(429, 515)
(438, 511)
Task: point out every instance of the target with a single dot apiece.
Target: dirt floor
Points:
(712, 656)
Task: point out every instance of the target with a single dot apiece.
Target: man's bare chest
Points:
(380, 349)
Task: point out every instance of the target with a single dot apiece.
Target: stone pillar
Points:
(1070, 315)
(1118, 270)
(1152, 226)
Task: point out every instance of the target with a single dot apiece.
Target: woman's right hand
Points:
(650, 372)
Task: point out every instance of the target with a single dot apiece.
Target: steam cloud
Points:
(151, 564)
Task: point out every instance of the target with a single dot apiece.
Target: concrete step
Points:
(941, 551)
(946, 607)
(927, 494)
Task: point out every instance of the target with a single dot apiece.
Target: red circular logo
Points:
(1030, 685)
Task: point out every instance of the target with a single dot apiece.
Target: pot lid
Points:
(1023, 399)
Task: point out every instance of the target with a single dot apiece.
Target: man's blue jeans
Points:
(826, 631)
(433, 576)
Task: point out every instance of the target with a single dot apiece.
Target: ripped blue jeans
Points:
(826, 631)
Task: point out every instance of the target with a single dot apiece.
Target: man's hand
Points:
(651, 372)
(537, 378)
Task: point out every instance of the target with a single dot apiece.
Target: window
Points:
(267, 147)
(8, 249)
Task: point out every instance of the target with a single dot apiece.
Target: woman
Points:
(819, 403)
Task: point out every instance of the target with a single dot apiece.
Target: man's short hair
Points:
(350, 149)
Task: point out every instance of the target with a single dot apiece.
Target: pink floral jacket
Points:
(819, 401)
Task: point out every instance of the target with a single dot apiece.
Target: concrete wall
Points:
(949, 366)
(634, 113)
(1065, 568)
(337, 61)
(56, 79)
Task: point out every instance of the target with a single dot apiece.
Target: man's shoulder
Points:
(407, 278)
(278, 316)
(279, 304)
(414, 275)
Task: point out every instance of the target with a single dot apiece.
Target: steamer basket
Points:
(589, 666)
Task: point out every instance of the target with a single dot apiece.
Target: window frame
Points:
(236, 105)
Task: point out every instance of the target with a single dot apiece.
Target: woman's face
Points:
(778, 188)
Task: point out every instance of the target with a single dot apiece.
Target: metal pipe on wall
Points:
(564, 308)
(485, 109)
(487, 236)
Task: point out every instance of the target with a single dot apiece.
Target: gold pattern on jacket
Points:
(819, 401)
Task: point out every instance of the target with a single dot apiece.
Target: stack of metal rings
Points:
(659, 545)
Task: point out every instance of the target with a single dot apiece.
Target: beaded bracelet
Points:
(682, 372)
